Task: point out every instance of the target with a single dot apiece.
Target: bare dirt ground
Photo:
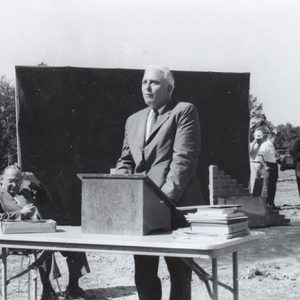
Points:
(270, 271)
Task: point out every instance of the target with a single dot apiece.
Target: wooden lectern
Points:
(122, 204)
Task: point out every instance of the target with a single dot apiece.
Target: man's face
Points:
(155, 89)
(272, 138)
(259, 140)
(11, 181)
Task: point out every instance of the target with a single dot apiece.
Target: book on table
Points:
(223, 220)
(219, 228)
(189, 235)
(28, 226)
(226, 208)
(214, 216)
(215, 220)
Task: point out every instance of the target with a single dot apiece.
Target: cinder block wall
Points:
(222, 186)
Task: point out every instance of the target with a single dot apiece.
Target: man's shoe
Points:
(273, 206)
(49, 296)
(276, 207)
(75, 293)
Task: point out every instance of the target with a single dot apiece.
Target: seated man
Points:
(20, 202)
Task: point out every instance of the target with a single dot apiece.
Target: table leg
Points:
(4, 273)
(35, 279)
(29, 283)
(235, 276)
(215, 278)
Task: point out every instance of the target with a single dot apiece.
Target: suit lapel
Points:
(163, 117)
(141, 130)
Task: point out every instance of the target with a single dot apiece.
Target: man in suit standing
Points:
(163, 141)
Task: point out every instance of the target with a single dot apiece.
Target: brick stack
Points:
(222, 186)
(223, 189)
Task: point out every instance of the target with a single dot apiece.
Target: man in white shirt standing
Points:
(255, 161)
(269, 157)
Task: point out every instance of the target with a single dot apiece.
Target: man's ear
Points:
(170, 89)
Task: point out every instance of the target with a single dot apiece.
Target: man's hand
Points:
(258, 141)
(28, 211)
(30, 181)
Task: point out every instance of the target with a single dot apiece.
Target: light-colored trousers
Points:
(254, 171)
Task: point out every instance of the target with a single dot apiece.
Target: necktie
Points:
(153, 120)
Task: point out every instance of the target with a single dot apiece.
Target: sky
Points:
(257, 36)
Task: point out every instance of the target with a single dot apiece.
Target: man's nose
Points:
(148, 86)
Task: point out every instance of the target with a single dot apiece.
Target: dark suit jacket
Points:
(9, 209)
(294, 148)
(171, 153)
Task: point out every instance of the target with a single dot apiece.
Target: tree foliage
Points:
(285, 134)
(8, 144)
(257, 117)
(255, 108)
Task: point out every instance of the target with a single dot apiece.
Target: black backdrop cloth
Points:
(71, 120)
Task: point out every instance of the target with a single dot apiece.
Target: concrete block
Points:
(276, 220)
(244, 191)
(256, 210)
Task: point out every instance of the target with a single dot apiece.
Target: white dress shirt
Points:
(268, 152)
(149, 120)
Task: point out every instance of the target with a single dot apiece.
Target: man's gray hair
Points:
(12, 167)
(166, 71)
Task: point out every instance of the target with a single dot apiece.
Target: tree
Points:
(8, 143)
(255, 107)
(257, 117)
(284, 134)
(42, 64)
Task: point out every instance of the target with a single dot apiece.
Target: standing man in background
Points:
(269, 158)
(294, 148)
(163, 141)
(255, 162)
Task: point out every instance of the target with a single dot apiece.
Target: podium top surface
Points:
(113, 176)
(70, 238)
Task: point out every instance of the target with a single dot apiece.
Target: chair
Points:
(33, 262)
(22, 271)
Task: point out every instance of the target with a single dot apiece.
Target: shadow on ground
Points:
(279, 242)
(287, 206)
(111, 292)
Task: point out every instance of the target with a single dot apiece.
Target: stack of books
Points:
(218, 221)
(28, 226)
